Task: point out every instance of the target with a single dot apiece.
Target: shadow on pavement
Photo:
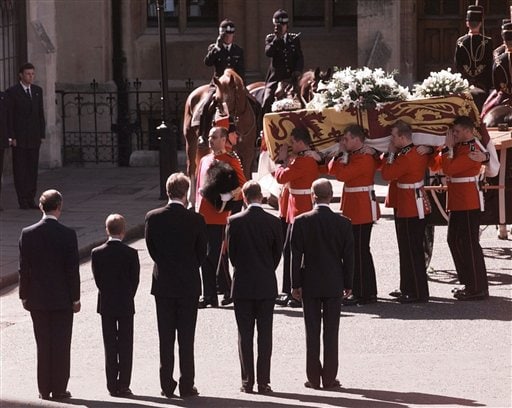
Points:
(417, 398)
(335, 399)
(494, 308)
(502, 276)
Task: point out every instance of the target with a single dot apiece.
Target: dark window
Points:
(441, 7)
(308, 13)
(200, 13)
(345, 13)
(12, 41)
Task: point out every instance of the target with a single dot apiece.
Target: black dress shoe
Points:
(368, 300)
(350, 300)
(264, 389)
(168, 394)
(124, 392)
(61, 395)
(465, 295)
(333, 386)
(207, 301)
(282, 299)
(294, 303)
(192, 392)
(44, 396)
(396, 293)
(308, 384)
(411, 299)
(227, 300)
(246, 389)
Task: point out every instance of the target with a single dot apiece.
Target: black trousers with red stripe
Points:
(413, 273)
(464, 242)
(365, 283)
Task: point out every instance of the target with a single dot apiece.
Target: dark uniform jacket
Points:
(286, 56)
(176, 240)
(222, 59)
(26, 116)
(115, 267)
(502, 75)
(4, 126)
(49, 266)
(322, 253)
(474, 58)
(255, 244)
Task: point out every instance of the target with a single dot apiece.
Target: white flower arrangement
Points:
(286, 104)
(359, 88)
(441, 83)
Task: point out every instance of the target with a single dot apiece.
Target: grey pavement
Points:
(441, 354)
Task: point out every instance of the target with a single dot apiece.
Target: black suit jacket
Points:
(322, 253)
(4, 124)
(116, 269)
(49, 266)
(176, 240)
(255, 244)
(26, 116)
(286, 57)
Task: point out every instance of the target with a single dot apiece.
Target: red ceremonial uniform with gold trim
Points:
(358, 172)
(298, 175)
(408, 168)
(465, 195)
(203, 206)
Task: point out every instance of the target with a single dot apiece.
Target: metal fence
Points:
(95, 132)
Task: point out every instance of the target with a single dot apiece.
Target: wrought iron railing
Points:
(93, 130)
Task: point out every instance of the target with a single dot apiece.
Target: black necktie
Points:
(27, 90)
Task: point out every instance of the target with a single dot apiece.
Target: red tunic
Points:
(203, 206)
(299, 175)
(462, 196)
(409, 167)
(358, 172)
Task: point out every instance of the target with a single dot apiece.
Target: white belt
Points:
(371, 194)
(419, 195)
(300, 191)
(463, 179)
(473, 179)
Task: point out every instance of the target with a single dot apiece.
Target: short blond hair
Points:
(115, 224)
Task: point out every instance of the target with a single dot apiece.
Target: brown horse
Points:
(230, 90)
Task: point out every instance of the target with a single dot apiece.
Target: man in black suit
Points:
(50, 289)
(28, 128)
(286, 58)
(4, 133)
(322, 273)
(116, 268)
(255, 243)
(176, 241)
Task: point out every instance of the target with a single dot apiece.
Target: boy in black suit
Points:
(255, 244)
(116, 268)
(322, 272)
(176, 240)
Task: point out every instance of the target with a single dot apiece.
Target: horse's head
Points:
(229, 87)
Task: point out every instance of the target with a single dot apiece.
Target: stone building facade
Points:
(73, 42)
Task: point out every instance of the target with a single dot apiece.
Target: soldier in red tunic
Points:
(407, 167)
(216, 221)
(297, 173)
(358, 203)
(461, 164)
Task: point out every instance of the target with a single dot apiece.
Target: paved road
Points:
(445, 353)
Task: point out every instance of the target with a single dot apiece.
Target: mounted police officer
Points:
(286, 59)
(222, 54)
(473, 55)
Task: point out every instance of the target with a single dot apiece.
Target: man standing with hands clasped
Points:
(50, 290)
(322, 273)
(255, 242)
